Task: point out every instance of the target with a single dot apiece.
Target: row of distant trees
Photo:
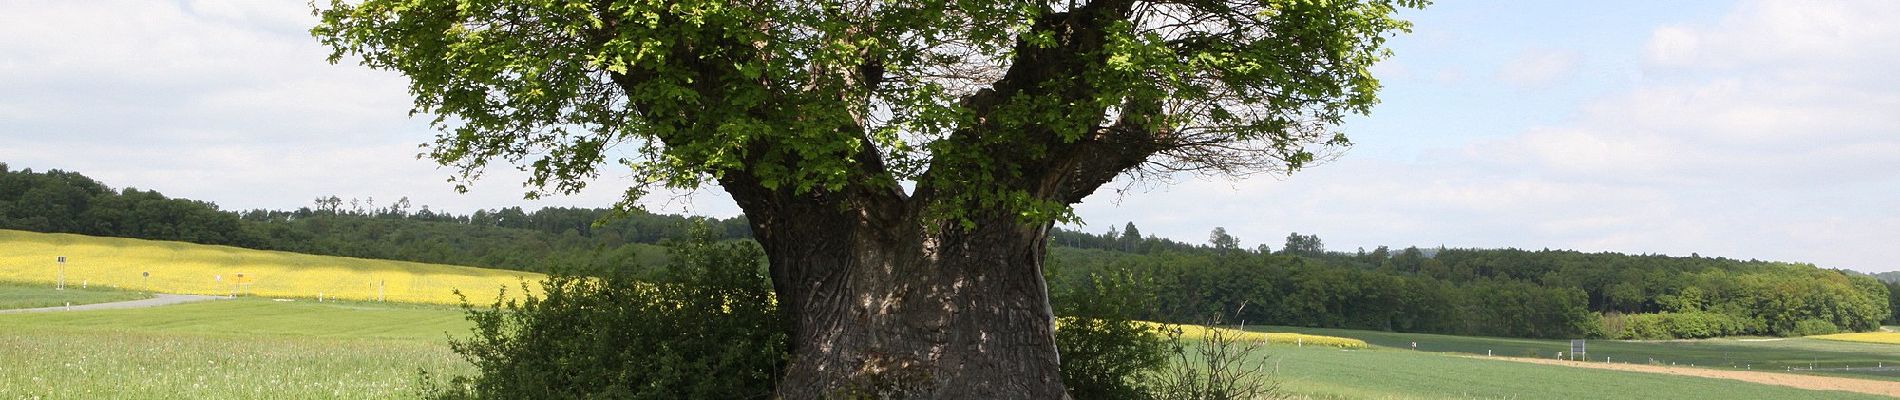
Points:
(67, 202)
(1494, 292)
(1463, 291)
(578, 239)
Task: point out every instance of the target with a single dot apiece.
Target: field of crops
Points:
(176, 267)
(1319, 373)
(259, 348)
(1866, 337)
(228, 349)
(256, 348)
(1826, 357)
(1197, 332)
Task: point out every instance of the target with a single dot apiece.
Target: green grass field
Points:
(228, 349)
(1771, 354)
(20, 295)
(258, 348)
(1321, 373)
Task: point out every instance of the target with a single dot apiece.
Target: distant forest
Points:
(1492, 292)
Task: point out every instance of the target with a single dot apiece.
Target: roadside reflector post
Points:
(62, 275)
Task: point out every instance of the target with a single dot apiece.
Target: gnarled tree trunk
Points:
(884, 305)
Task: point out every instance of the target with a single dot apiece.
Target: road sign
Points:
(62, 259)
(1577, 349)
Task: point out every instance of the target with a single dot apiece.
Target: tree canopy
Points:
(1020, 106)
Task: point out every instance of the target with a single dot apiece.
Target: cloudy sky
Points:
(1748, 129)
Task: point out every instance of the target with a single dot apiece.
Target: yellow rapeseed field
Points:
(177, 267)
(1198, 332)
(1868, 337)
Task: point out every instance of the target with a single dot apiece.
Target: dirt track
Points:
(157, 300)
(1811, 382)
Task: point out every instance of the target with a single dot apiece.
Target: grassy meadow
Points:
(15, 295)
(1769, 354)
(185, 268)
(228, 349)
(1381, 373)
(259, 347)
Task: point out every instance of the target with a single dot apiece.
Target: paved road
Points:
(158, 300)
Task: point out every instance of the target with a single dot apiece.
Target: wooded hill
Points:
(1495, 292)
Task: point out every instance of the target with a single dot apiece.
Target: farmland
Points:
(254, 346)
(1866, 337)
(244, 348)
(1766, 354)
(175, 267)
(1399, 374)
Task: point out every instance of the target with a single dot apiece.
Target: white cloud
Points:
(230, 101)
(1806, 35)
(1769, 133)
(1537, 68)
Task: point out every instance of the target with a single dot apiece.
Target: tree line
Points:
(579, 239)
(1495, 292)
(1491, 292)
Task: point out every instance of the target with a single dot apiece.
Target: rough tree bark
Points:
(889, 301)
(884, 304)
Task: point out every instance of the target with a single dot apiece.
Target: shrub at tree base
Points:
(711, 332)
(1104, 358)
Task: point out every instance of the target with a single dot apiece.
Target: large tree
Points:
(901, 162)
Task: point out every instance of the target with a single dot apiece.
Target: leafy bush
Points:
(1811, 327)
(711, 331)
(1104, 351)
(1105, 358)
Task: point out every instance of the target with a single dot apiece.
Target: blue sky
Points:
(1750, 129)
